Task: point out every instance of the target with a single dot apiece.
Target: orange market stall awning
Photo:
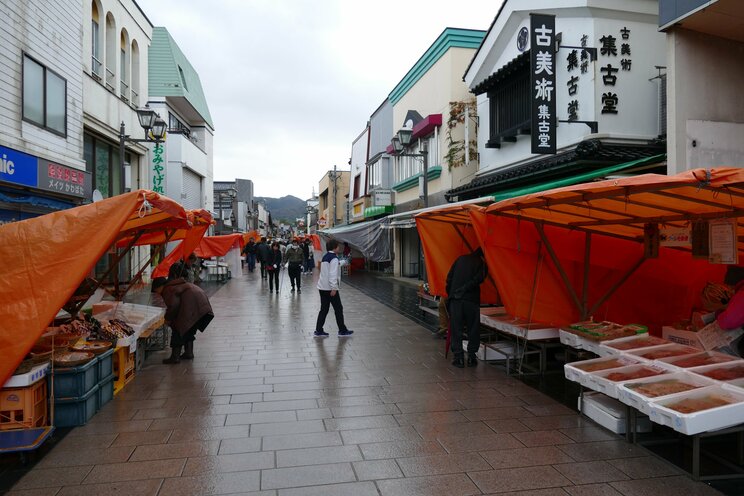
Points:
(446, 233)
(218, 246)
(565, 254)
(47, 257)
(253, 234)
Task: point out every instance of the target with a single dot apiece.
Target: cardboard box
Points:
(687, 338)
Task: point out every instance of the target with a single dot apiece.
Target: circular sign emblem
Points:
(522, 39)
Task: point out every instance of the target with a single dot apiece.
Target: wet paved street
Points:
(267, 409)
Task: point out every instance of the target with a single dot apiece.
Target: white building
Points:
(617, 90)
(358, 183)
(41, 109)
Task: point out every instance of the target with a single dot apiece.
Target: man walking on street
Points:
(463, 298)
(250, 255)
(328, 283)
(263, 252)
(305, 255)
(294, 257)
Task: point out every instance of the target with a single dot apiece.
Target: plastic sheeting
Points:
(47, 257)
(367, 237)
(218, 246)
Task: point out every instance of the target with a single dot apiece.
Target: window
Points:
(375, 175)
(357, 184)
(183, 78)
(175, 124)
(135, 74)
(102, 161)
(509, 102)
(406, 167)
(44, 97)
(95, 49)
(124, 66)
(110, 53)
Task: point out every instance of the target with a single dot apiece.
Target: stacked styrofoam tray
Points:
(607, 346)
(640, 401)
(574, 371)
(707, 368)
(569, 339)
(739, 383)
(679, 349)
(720, 357)
(598, 381)
(593, 346)
(24, 380)
(702, 421)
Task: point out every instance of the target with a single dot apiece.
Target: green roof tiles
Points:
(171, 73)
(450, 38)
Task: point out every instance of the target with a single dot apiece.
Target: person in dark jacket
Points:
(187, 310)
(263, 251)
(305, 245)
(463, 298)
(294, 258)
(250, 255)
(273, 263)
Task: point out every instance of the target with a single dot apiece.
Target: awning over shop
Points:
(367, 237)
(567, 253)
(218, 246)
(378, 210)
(47, 257)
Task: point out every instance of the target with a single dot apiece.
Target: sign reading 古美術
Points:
(542, 83)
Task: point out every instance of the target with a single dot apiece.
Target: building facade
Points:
(380, 163)
(176, 93)
(235, 206)
(358, 198)
(41, 109)
(607, 95)
(333, 187)
(705, 116)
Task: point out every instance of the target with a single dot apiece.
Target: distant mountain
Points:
(287, 208)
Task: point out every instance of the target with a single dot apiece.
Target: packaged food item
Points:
(668, 351)
(725, 373)
(612, 363)
(701, 359)
(635, 343)
(661, 388)
(692, 405)
(634, 374)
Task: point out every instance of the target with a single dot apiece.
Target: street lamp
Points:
(400, 142)
(154, 127)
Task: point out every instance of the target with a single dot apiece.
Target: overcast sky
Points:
(291, 83)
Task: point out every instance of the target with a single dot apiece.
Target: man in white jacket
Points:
(328, 283)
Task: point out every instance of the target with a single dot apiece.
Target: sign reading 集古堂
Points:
(542, 83)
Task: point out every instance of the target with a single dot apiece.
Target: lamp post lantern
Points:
(154, 127)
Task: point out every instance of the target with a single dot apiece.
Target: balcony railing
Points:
(95, 65)
(110, 80)
(124, 91)
(135, 98)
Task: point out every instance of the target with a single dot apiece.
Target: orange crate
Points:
(24, 407)
(124, 363)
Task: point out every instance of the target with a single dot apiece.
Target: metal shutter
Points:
(191, 195)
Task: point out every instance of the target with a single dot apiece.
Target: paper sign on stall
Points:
(723, 242)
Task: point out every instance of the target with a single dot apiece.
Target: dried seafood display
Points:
(612, 363)
(78, 327)
(702, 359)
(115, 329)
(638, 373)
(725, 373)
(72, 358)
(661, 388)
(604, 331)
(670, 351)
(692, 405)
(635, 343)
(95, 347)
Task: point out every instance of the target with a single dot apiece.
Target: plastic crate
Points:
(24, 407)
(139, 358)
(105, 391)
(124, 364)
(71, 412)
(75, 382)
(105, 364)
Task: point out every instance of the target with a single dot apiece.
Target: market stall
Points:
(228, 247)
(52, 257)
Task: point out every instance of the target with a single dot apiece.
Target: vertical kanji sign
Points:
(158, 169)
(542, 82)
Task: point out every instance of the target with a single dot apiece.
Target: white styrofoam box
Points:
(638, 341)
(487, 353)
(575, 371)
(593, 346)
(569, 339)
(709, 368)
(492, 311)
(640, 402)
(738, 383)
(653, 353)
(609, 413)
(22, 380)
(531, 331)
(687, 338)
(598, 381)
(716, 357)
(711, 419)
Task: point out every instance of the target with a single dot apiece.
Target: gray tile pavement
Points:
(266, 409)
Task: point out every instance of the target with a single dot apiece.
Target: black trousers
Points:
(263, 269)
(295, 271)
(464, 315)
(326, 300)
(179, 340)
(273, 279)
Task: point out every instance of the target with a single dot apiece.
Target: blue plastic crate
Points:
(76, 381)
(105, 364)
(71, 412)
(105, 391)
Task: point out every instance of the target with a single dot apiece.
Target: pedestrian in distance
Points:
(187, 310)
(250, 255)
(463, 299)
(305, 245)
(262, 253)
(328, 285)
(294, 258)
(274, 266)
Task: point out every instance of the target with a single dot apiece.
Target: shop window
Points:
(509, 108)
(44, 97)
(102, 161)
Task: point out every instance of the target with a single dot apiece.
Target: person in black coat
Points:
(463, 299)
(273, 264)
(262, 253)
(250, 255)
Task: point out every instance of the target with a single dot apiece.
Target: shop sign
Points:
(62, 179)
(158, 169)
(18, 167)
(383, 198)
(322, 222)
(542, 82)
(723, 241)
(675, 237)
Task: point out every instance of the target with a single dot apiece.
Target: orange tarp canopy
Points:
(253, 234)
(446, 233)
(620, 284)
(191, 240)
(47, 257)
(218, 246)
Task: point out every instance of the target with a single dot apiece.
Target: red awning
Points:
(427, 125)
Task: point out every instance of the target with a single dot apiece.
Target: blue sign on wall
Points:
(18, 168)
